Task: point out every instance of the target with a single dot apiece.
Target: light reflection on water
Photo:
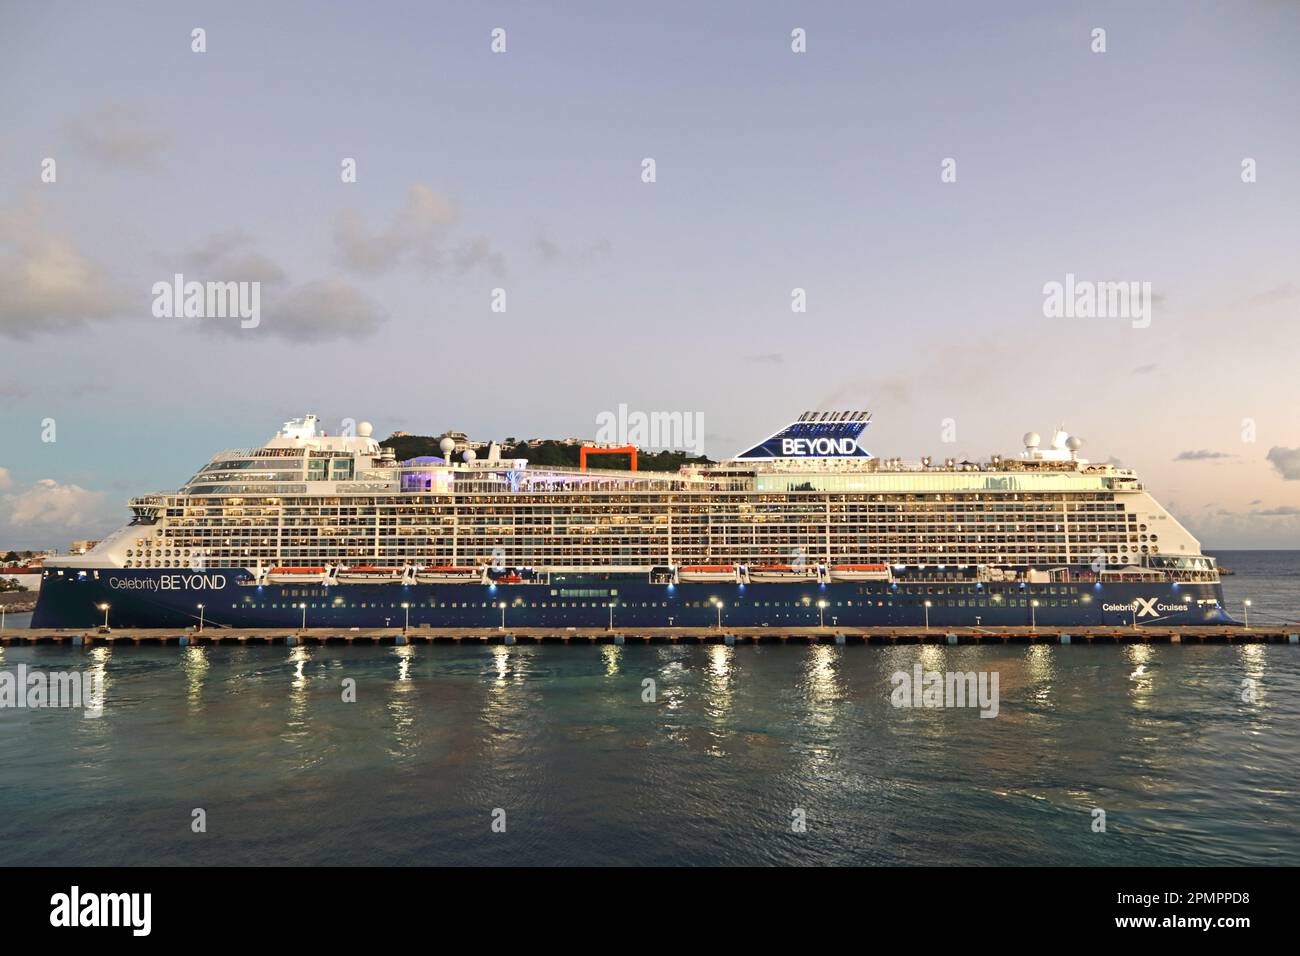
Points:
(194, 661)
(404, 707)
(1188, 768)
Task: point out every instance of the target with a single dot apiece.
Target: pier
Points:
(288, 636)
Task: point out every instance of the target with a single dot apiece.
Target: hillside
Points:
(549, 453)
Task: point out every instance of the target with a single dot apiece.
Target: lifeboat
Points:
(370, 574)
(310, 575)
(447, 574)
(512, 576)
(782, 572)
(859, 572)
(705, 573)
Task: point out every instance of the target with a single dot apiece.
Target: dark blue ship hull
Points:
(72, 598)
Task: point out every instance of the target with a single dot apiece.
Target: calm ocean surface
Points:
(710, 773)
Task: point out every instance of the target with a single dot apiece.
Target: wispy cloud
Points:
(228, 257)
(314, 312)
(419, 234)
(548, 251)
(1280, 293)
(1201, 454)
(115, 135)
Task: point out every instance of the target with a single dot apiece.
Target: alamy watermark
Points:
(676, 430)
(208, 300)
(37, 689)
(946, 689)
(1085, 299)
(74, 909)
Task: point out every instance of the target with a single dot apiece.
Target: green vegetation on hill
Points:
(549, 453)
(413, 446)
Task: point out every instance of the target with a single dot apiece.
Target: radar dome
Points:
(469, 455)
(448, 445)
(1032, 440)
(365, 430)
(1074, 443)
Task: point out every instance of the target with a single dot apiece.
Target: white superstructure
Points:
(307, 499)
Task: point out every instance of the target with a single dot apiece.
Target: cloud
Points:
(46, 284)
(115, 136)
(1286, 461)
(53, 506)
(1200, 455)
(419, 234)
(417, 230)
(214, 248)
(958, 367)
(1144, 369)
(766, 358)
(225, 257)
(862, 393)
(315, 312)
(5, 481)
(1285, 511)
(1281, 293)
(478, 253)
(548, 251)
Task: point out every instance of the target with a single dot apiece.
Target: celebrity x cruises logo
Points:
(1146, 607)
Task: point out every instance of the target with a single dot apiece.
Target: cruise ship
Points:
(806, 528)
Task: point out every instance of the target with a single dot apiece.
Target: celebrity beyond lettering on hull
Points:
(171, 582)
(805, 528)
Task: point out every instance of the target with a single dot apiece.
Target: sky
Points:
(922, 171)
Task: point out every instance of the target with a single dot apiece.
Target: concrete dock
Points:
(1270, 634)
